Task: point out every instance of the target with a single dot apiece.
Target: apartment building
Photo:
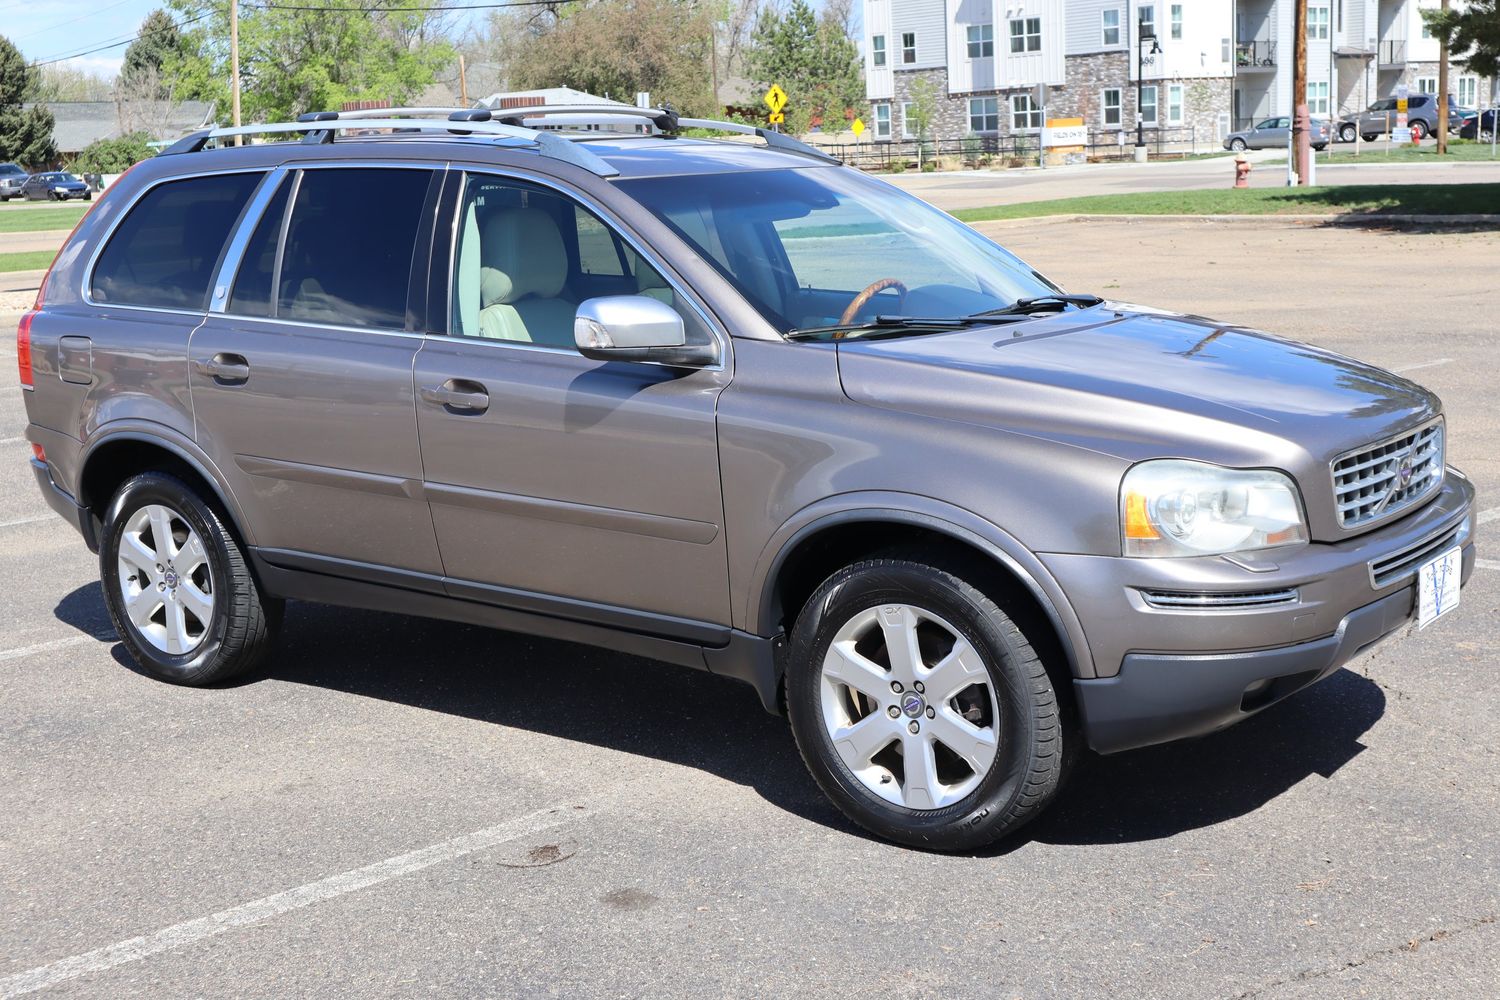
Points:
(1211, 65)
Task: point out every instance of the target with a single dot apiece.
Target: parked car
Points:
(1273, 133)
(1421, 117)
(56, 186)
(11, 179)
(732, 406)
(1481, 126)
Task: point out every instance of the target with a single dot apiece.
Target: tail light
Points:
(23, 349)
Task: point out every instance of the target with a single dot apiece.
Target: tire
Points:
(1346, 134)
(1237, 145)
(1418, 130)
(1007, 717)
(1321, 146)
(176, 637)
(1370, 138)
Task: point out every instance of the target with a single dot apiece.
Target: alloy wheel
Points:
(165, 579)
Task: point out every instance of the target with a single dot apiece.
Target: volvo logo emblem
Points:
(912, 704)
(170, 578)
(1404, 471)
(1405, 468)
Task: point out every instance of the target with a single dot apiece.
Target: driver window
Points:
(526, 257)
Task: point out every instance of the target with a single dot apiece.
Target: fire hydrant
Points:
(1241, 172)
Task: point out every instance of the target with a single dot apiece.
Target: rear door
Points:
(301, 375)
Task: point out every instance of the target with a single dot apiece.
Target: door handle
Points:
(457, 394)
(226, 369)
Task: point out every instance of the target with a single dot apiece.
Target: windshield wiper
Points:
(930, 323)
(1039, 303)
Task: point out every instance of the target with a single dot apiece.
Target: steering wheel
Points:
(868, 294)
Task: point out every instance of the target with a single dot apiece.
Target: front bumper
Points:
(1165, 673)
(61, 501)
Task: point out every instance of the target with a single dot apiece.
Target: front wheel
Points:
(921, 708)
(1237, 145)
(178, 589)
(1418, 131)
(1346, 134)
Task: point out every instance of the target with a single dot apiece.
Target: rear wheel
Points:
(1370, 138)
(920, 707)
(178, 589)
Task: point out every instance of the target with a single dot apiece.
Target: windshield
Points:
(802, 245)
(64, 177)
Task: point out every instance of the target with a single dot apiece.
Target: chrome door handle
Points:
(224, 368)
(457, 394)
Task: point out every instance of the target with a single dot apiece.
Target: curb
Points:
(1340, 219)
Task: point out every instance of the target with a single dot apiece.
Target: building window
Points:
(1112, 27)
(908, 125)
(877, 50)
(1427, 85)
(882, 120)
(1223, 50)
(984, 114)
(1112, 107)
(1148, 105)
(1427, 30)
(1025, 116)
(981, 41)
(1317, 23)
(1174, 104)
(1467, 92)
(1026, 34)
(1176, 26)
(909, 47)
(1341, 15)
(1146, 18)
(1317, 97)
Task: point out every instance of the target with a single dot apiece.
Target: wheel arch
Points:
(817, 543)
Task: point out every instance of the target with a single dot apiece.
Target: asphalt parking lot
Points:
(405, 807)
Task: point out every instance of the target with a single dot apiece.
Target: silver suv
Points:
(726, 404)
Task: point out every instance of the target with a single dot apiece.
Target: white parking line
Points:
(43, 647)
(190, 931)
(1487, 515)
(25, 520)
(1424, 364)
(1487, 563)
(14, 440)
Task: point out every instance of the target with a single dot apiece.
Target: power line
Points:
(126, 40)
(381, 10)
(71, 20)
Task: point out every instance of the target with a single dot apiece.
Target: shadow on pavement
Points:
(695, 719)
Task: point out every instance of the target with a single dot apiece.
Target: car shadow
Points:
(691, 718)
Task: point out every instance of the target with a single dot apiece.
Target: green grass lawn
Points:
(1352, 199)
(1459, 150)
(14, 219)
(34, 260)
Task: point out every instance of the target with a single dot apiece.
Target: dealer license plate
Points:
(1437, 586)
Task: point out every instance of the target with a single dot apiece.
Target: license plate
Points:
(1437, 586)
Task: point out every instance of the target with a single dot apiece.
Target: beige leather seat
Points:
(524, 268)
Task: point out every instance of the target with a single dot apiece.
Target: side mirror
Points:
(636, 328)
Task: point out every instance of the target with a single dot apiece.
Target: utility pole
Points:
(463, 82)
(1301, 141)
(234, 63)
(1442, 120)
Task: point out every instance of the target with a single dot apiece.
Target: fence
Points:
(1010, 150)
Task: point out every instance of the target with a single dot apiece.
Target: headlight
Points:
(1179, 508)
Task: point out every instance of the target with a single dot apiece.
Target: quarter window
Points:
(1026, 34)
(1112, 27)
(984, 114)
(1025, 116)
(981, 41)
(908, 47)
(877, 50)
(342, 262)
(164, 252)
(1111, 104)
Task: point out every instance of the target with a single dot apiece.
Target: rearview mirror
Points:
(636, 328)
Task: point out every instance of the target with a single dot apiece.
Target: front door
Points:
(574, 487)
(301, 376)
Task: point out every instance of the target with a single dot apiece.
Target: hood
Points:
(1138, 383)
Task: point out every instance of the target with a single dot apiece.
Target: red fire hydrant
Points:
(1241, 172)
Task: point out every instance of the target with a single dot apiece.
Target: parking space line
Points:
(190, 931)
(1487, 563)
(1487, 515)
(43, 647)
(1423, 364)
(14, 440)
(25, 520)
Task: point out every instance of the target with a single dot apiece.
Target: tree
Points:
(61, 82)
(113, 156)
(25, 133)
(613, 48)
(159, 43)
(813, 60)
(293, 60)
(1472, 33)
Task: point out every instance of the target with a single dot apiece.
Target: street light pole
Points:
(1142, 36)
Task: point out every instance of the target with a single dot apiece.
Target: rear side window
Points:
(164, 252)
(349, 244)
(252, 287)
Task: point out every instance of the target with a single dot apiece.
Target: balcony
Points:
(1392, 52)
(1255, 56)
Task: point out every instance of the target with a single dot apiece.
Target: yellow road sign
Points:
(775, 99)
(858, 127)
(777, 118)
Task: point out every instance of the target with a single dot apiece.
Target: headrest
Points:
(524, 248)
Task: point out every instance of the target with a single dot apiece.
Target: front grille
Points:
(1377, 481)
(1183, 599)
(1389, 569)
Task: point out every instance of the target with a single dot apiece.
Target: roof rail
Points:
(321, 126)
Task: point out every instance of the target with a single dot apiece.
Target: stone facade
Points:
(950, 117)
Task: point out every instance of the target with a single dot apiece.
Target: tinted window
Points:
(349, 245)
(252, 287)
(164, 252)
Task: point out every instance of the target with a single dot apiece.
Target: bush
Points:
(929, 167)
(898, 166)
(113, 156)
